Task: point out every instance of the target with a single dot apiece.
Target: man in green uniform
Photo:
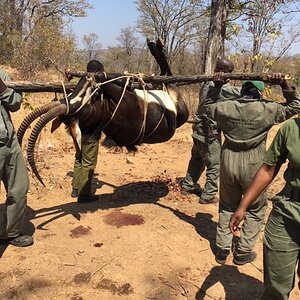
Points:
(282, 238)
(207, 142)
(245, 123)
(86, 159)
(13, 171)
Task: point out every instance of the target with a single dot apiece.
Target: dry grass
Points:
(191, 97)
(40, 76)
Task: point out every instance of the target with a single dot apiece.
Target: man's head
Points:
(253, 88)
(94, 66)
(224, 65)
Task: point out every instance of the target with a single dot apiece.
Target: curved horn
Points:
(31, 117)
(44, 119)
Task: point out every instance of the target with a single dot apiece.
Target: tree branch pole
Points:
(184, 79)
(39, 87)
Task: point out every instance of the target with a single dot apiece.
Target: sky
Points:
(106, 20)
(110, 16)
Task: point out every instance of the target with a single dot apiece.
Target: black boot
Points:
(241, 258)
(221, 256)
(19, 241)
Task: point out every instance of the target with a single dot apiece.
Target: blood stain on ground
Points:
(119, 219)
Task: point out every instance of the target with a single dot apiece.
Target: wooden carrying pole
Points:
(38, 87)
(183, 79)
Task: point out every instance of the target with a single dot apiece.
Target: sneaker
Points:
(87, 198)
(195, 191)
(221, 256)
(241, 258)
(208, 201)
(74, 193)
(20, 241)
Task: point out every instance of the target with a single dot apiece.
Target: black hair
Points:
(224, 65)
(251, 91)
(94, 66)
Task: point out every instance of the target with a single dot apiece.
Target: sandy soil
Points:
(141, 240)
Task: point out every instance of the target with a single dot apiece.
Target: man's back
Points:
(245, 121)
(228, 91)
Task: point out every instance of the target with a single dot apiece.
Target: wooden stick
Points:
(184, 79)
(39, 87)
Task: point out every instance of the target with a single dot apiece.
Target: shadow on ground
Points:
(132, 193)
(235, 284)
(202, 222)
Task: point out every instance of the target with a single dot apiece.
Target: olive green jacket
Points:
(10, 102)
(286, 147)
(245, 122)
(206, 128)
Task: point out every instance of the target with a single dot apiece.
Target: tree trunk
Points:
(216, 34)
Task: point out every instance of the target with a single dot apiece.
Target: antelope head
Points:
(68, 105)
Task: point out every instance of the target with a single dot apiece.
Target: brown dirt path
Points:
(141, 240)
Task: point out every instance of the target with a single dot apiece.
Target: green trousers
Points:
(84, 166)
(237, 171)
(14, 175)
(204, 155)
(281, 254)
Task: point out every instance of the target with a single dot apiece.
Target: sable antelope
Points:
(128, 117)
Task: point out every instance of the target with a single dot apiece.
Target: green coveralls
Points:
(85, 164)
(282, 232)
(245, 123)
(13, 171)
(206, 145)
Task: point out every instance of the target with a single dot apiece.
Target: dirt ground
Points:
(141, 240)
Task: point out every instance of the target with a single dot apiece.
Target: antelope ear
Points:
(55, 124)
(76, 135)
